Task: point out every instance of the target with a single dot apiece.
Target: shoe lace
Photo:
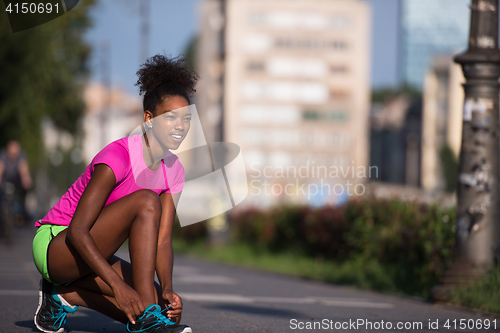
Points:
(59, 317)
(161, 319)
(167, 321)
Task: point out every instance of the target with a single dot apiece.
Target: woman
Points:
(128, 191)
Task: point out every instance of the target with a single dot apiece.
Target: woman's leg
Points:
(135, 216)
(92, 292)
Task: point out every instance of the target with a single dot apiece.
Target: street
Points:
(219, 298)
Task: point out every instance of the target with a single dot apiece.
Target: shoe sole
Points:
(40, 302)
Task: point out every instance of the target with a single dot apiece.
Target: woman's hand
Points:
(128, 301)
(171, 298)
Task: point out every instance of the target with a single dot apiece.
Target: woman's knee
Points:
(148, 203)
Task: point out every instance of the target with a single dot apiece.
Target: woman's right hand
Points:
(128, 301)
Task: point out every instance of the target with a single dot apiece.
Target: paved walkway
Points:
(219, 298)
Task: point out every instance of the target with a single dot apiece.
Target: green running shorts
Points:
(44, 235)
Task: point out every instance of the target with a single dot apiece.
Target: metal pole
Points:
(477, 229)
(222, 55)
(145, 25)
(106, 82)
(218, 226)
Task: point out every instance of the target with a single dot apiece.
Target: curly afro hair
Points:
(161, 76)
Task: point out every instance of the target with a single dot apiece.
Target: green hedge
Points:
(412, 243)
(387, 245)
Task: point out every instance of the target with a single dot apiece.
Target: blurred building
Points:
(395, 140)
(430, 27)
(443, 99)
(210, 67)
(290, 81)
(417, 142)
(110, 114)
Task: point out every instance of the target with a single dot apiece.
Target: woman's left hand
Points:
(171, 298)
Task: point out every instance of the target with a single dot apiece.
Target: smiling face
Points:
(170, 121)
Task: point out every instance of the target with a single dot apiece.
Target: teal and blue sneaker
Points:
(170, 323)
(153, 320)
(50, 316)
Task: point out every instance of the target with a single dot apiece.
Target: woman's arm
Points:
(89, 207)
(165, 256)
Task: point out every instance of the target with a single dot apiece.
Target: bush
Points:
(191, 233)
(404, 246)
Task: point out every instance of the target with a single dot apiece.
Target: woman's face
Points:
(171, 121)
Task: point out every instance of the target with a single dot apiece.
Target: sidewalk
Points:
(220, 298)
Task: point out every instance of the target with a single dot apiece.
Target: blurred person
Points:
(128, 191)
(15, 181)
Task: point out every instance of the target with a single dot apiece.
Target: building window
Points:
(291, 67)
(256, 18)
(289, 91)
(338, 69)
(310, 115)
(310, 44)
(340, 22)
(256, 43)
(317, 115)
(255, 66)
(270, 114)
(337, 45)
(338, 93)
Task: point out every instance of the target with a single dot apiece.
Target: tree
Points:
(449, 166)
(42, 72)
(190, 51)
(382, 95)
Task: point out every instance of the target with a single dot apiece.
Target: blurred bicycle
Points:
(7, 216)
(15, 180)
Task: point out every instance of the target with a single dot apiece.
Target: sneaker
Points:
(50, 316)
(152, 320)
(170, 323)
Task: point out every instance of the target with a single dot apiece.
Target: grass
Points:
(484, 294)
(357, 272)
